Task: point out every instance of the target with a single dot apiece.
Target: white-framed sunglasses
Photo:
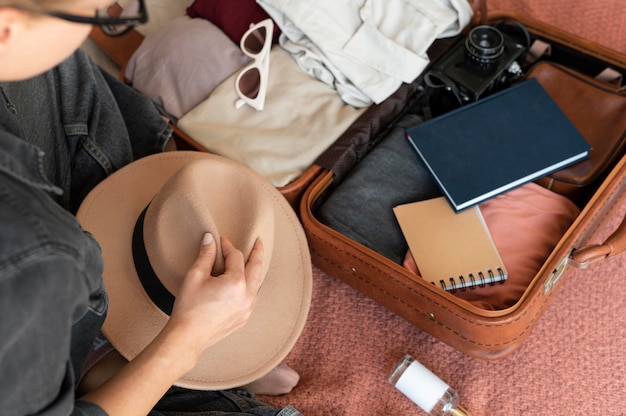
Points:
(251, 83)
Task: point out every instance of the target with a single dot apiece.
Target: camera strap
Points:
(437, 79)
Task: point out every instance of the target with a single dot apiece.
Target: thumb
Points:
(208, 252)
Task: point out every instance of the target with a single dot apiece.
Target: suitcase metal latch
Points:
(558, 271)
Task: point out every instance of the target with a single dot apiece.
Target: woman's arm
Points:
(206, 310)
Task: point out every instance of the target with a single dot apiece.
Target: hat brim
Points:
(110, 211)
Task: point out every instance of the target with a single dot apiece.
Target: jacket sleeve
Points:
(84, 408)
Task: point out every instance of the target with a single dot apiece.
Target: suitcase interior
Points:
(438, 312)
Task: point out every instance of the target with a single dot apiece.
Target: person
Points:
(66, 126)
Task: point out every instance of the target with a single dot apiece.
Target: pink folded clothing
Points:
(525, 225)
(180, 64)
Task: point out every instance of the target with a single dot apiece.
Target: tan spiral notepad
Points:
(451, 250)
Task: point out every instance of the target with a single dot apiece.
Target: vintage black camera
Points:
(485, 61)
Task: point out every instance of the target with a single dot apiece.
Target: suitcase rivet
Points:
(352, 269)
(431, 316)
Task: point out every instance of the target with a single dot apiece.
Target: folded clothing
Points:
(365, 49)
(302, 118)
(361, 206)
(179, 64)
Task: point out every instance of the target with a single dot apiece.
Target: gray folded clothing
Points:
(361, 206)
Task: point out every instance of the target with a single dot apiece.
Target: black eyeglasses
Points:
(111, 23)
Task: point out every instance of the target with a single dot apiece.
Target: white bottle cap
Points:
(420, 385)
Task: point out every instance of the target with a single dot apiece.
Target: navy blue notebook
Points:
(497, 143)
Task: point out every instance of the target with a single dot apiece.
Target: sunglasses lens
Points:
(250, 82)
(116, 30)
(130, 16)
(254, 41)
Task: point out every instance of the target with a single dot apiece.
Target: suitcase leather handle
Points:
(614, 245)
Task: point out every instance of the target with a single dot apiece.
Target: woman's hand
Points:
(208, 308)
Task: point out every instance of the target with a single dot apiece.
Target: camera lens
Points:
(484, 44)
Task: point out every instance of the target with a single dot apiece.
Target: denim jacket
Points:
(60, 134)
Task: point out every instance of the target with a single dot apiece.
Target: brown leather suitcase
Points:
(487, 334)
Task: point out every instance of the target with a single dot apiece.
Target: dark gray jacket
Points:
(61, 133)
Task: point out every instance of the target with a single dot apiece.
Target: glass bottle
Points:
(425, 389)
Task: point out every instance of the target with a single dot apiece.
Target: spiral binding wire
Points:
(461, 282)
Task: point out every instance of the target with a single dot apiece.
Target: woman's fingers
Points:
(252, 269)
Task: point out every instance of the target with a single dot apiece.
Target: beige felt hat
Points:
(150, 216)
